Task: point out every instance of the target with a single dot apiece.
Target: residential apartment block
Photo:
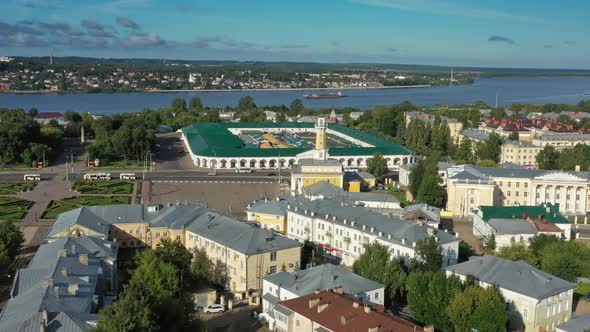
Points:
(63, 287)
(248, 252)
(343, 231)
(520, 153)
(331, 310)
(561, 140)
(535, 300)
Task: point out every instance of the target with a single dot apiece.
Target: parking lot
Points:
(227, 197)
(236, 320)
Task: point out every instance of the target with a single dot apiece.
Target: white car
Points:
(214, 309)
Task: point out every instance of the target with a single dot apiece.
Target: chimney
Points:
(313, 302)
(323, 306)
(317, 291)
(430, 231)
(44, 320)
(429, 328)
(73, 289)
(83, 258)
(338, 290)
(48, 283)
(62, 253)
(577, 168)
(373, 329)
(64, 271)
(367, 309)
(355, 304)
(73, 249)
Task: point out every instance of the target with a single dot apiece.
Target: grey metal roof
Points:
(522, 144)
(476, 172)
(475, 134)
(277, 207)
(31, 294)
(283, 310)
(243, 237)
(518, 276)
(398, 229)
(512, 226)
(576, 324)
(564, 137)
(330, 191)
(270, 298)
(322, 277)
(357, 176)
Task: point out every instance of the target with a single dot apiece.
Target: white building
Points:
(343, 231)
(285, 286)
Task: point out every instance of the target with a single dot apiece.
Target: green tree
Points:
(246, 104)
(464, 153)
(377, 165)
(201, 266)
(518, 251)
(11, 238)
(566, 260)
(73, 116)
(513, 136)
(487, 163)
(478, 309)
(33, 112)
(539, 242)
(490, 149)
(465, 251)
(151, 301)
(195, 104)
(498, 113)
(428, 255)
(375, 263)
(430, 190)
(6, 263)
(429, 294)
(548, 158)
(179, 104)
(416, 176)
(173, 252)
(490, 244)
(297, 106)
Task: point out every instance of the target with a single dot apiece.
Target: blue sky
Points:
(484, 33)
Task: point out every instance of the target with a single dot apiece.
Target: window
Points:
(517, 184)
(525, 313)
(272, 269)
(376, 296)
(273, 256)
(297, 322)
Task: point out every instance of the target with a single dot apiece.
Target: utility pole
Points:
(43, 158)
(67, 179)
(72, 160)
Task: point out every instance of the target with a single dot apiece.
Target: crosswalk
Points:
(210, 181)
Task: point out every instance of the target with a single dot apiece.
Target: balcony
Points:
(347, 239)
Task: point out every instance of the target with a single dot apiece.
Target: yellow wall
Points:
(259, 266)
(271, 221)
(354, 186)
(335, 180)
(320, 140)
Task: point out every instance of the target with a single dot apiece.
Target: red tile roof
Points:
(49, 115)
(340, 312)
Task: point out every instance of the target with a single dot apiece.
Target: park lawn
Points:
(104, 187)
(12, 208)
(11, 188)
(582, 290)
(67, 204)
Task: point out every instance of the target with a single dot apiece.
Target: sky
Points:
(478, 33)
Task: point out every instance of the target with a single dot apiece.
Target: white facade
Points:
(348, 239)
(482, 229)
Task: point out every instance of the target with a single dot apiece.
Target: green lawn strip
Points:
(104, 187)
(11, 188)
(401, 196)
(67, 204)
(582, 290)
(13, 208)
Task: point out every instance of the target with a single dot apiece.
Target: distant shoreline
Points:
(217, 90)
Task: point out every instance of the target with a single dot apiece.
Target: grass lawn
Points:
(13, 208)
(67, 204)
(104, 187)
(11, 188)
(582, 290)
(401, 196)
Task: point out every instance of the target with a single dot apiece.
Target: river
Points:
(535, 90)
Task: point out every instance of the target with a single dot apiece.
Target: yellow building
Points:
(247, 252)
(520, 153)
(270, 213)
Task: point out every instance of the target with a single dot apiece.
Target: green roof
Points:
(215, 140)
(550, 212)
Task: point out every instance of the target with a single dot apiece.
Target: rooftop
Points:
(512, 226)
(485, 173)
(576, 324)
(322, 277)
(240, 236)
(518, 276)
(475, 134)
(549, 212)
(215, 140)
(329, 191)
(391, 229)
(339, 312)
(59, 281)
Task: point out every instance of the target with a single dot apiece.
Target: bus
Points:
(32, 177)
(127, 176)
(97, 176)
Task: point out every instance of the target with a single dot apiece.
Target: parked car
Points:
(212, 173)
(214, 309)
